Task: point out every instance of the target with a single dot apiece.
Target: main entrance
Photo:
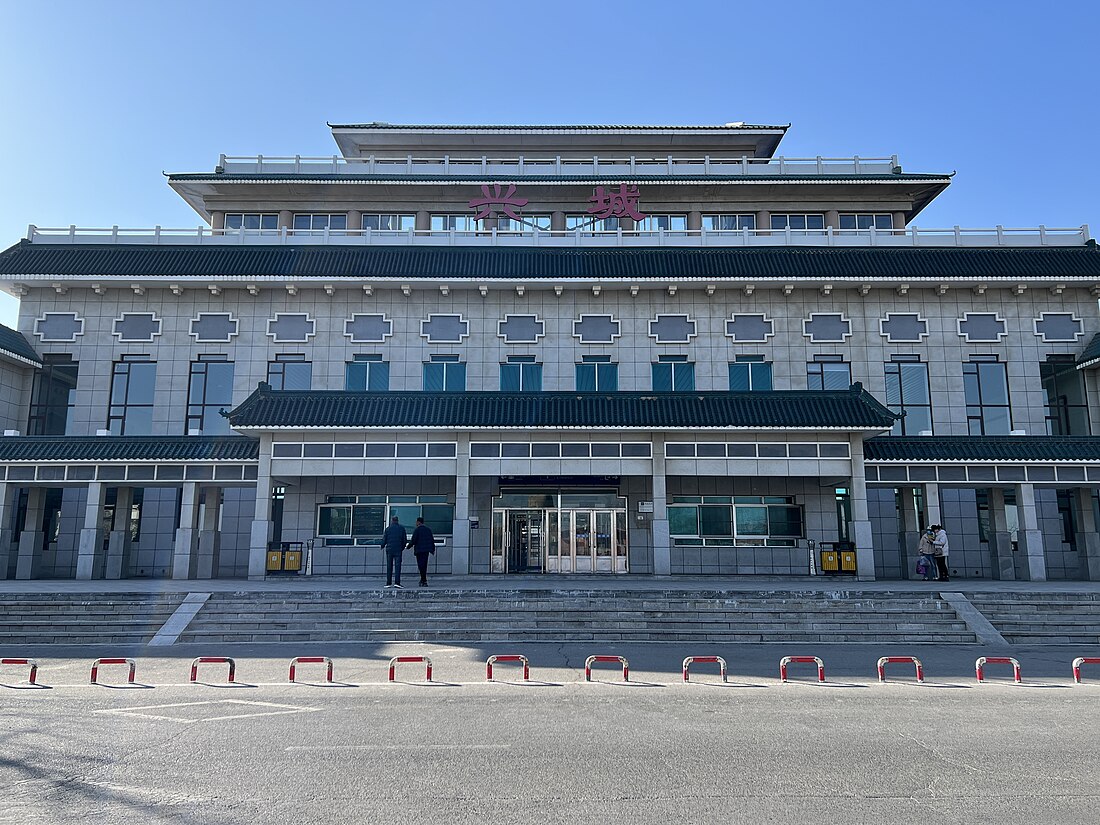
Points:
(544, 532)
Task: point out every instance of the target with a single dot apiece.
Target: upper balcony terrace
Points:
(558, 166)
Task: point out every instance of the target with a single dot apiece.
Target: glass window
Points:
(316, 224)
(444, 373)
(805, 223)
(1064, 393)
(527, 224)
(252, 221)
(673, 373)
(521, 374)
(366, 373)
(290, 372)
(728, 223)
(828, 372)
(715, 521)
(907, 392)
(683, 521)
(596, 373)
(588, 224)
(750, 373)
(454, 223)
(985, 382)
(651, 224)
(867, 220)
(390, 223)
(210, 390)
(52, 395)
(751, 520)
(133, 389)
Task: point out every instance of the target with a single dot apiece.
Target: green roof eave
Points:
(998, 448)
(75, 449)
(1090, 356)
(17, 348)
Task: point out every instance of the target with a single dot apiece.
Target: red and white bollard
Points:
(592, 659)
(979, 667)
(507, 658)
(895, 660)
(31, 663)
(427, 663)
(786, 660)
(311, 660)
(219, 660)
(1083, 660)
(130, 676)
(712, 659)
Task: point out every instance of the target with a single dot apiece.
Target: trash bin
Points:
(838, 558)
(284, 557)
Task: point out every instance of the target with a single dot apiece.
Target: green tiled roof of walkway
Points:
(983, 448)
(639, 263)
(1091, 356)
(854, 409)
(13, 343)
(128, 448)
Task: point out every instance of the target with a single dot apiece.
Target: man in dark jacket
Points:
(393, 542)
(423, 545)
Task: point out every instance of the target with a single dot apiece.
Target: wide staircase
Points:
(1042, 619)
(574, 616)
(109, 618)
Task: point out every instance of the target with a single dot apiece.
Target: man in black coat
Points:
(423, 545)
(393, 542)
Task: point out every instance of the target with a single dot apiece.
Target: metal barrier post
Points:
(1083, 660)
(98, 662)
(220, 660)
(979, 667)
(32, 663)
(620, 659)
(507, 658)
(427, 662)
(895, 659)
(713, 659)
(311, 660)
(786, 660)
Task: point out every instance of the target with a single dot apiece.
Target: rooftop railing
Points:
(910, 236)
(557, 166)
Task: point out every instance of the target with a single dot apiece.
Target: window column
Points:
(7, 504)
(261, 523)
(209, 548)
(118, 541)
(183, 551)
(29, 562)
(909, 528)
(460, 529)
(860, 528)
(1030, 536)
(90, 558)
(1088, 538)
(931, 505)
(1000, 538)
(662, 540)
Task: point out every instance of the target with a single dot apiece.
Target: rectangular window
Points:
(750, 373)
(133, 391)
(673, 373)
(316, 224)
(366, 373)
(985, 382)
(828, 372)
(596, 373)
(652, 224)
(588, 224)
(521, 374)
(729, 223)
(907, 392)
(1064, 393)
(209, 390)
(52, 395)
(806, 224)
(389, 223)
(526, 225)
(252, 221)
(878, 220)
(455, 223)
(290, 372)
(444, 373)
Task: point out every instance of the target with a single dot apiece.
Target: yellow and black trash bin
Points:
(838, 558)
(284, 557)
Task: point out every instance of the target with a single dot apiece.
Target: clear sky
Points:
(98, 98)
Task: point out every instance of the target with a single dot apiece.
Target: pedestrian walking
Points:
(393, 542)
(941, 550)
(423, 545)
(926, 554)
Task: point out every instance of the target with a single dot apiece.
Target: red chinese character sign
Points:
(616, 204)
(497, 199)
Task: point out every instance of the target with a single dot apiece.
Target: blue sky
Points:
(100, 98)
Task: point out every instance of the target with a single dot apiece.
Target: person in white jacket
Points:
(941, 548)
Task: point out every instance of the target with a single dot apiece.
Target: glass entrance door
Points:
(524, 540)
(581, 534)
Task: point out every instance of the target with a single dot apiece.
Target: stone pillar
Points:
(355, 220)
(423, 220)
(860, 528)
(909, 530)
(1088, 539)
(763, 220)
(217, 220)
(932, 513)
(7, 504)
(261, 524)
(90, 559)
(118, 541)
(557, 221)
(29, 563)
(832, 219)
(209, 548)
(286, 219)
(695, 220)
(1030, 537)
(662, 540)
(460, 530)
(1000, 539)
(187, 534)
(899, 220)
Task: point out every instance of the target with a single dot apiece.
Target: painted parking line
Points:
(412, 746)
(265, 710)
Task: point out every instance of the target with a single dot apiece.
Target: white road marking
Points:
(411, 746)
(137, 711)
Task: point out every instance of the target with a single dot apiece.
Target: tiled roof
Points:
(306, 177)
(641, 263)
(1091, 355)
(14, 344)
(983, 448)
(128, 448)
(558, 128)
(851, 409)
